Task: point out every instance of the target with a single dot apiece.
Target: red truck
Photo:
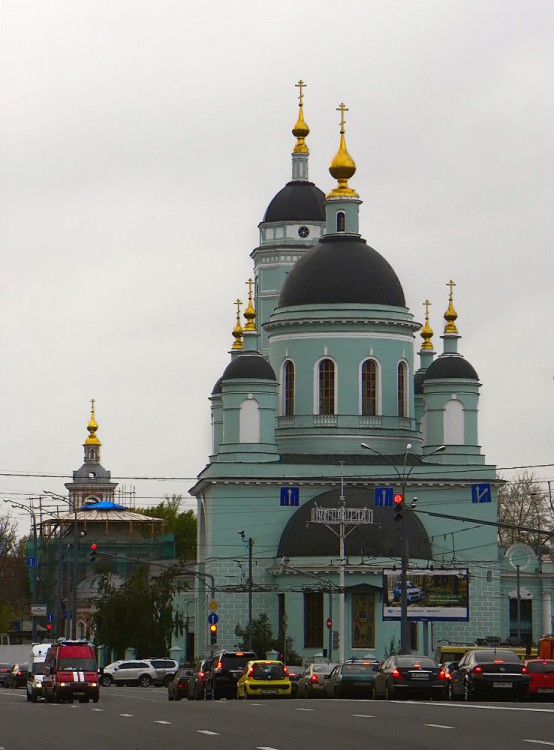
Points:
(71, 671)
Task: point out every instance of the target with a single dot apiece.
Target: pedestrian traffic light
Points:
(213, 634)
(92, 555)
(398, 501)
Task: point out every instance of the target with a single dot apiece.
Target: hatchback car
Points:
(16, 677)
(312, 682)
(128, 673)
(220, 680)
(495, 673)
(4, 669)
(264, 679)
(413, 592)
(353, 678)
(195, 689)
(402, 676)
(541, 678)
(166, 669)
(178, 686)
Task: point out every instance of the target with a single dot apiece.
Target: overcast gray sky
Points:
(140, 143)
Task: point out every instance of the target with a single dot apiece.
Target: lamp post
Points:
(31, 512)
(74, 559)
(403, 477)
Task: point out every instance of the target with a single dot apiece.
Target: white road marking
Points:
(438, 726)
(540, 742)
(129, 715)
(161, 722)
(304, 709)
(94, 709)
(363, 716)
(206, 731)
(264, 747)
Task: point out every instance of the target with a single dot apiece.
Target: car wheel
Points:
(469, 694)
(389, 693)
(169, 696)
(106, 680)
(49, 698)
(145, 680)
(167, 680)
(96, 699)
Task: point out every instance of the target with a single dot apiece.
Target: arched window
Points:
(401, 382)
(453, 423)
(249, 426)
(341, 221)
(326, 387)
(369, 388)
(288, 389)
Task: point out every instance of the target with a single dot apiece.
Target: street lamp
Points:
(31, 512)
(403, 477)
(72, 506)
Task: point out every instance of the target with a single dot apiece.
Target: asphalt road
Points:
(137, 719)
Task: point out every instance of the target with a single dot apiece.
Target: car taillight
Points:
(251, 671)
(314, 679)
(201, 674)
(477, 670)
(219, 665)
(441, 675)
(396, 674)
(19, 673)
(524, 670)
(181, 684)
(286, 671)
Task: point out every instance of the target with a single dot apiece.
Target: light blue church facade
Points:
(324, 360)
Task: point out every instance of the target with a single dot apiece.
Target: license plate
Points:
(502, 684)
(269, 692)
(545, 690)
(420, 676)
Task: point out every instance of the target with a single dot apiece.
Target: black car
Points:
(414, 676)
(178, 686)
(223, 672)
(195, 689)
(492, 672)
(294, 675)
(4, 669)
(16, 677)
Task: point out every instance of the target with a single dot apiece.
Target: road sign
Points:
(31, 562)
(290, 496)
(481, 493)
(329, 623)
(213, 605)
(51, 617)
(383, 497)
(39, 610)
(213, 618)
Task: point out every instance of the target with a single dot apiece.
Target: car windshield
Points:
(541, 667)
(77, 664)
(235, 662)
(492, 655)
(323, 668)
(268, 671)
(359, 668)
(38, 667)
(417, 661)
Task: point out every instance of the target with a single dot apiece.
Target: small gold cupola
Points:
(250, 312)
(426, 332)
(342, 166)
(450, 315)
(237, 330)
(301, 129)
(92, 427)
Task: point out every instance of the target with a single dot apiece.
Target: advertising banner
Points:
(432, 594)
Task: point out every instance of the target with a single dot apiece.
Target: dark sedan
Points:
(4, 669)
(494, 673)
(294, 675)
(351, 679)
(16, 677)
(195, 690)
(414, 676)
(178, 685)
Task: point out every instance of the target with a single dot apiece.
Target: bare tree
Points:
(522, 502)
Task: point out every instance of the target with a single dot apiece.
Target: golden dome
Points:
(426, 332)
(92, 427)
(237, 330)
(301, 129)
(250, 313)
(342, 166)
(450, 315)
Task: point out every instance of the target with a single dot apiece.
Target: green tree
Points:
(262, 636)
(140, 613)
(522, 502)
(183, 524)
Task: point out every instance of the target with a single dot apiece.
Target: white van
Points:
(35, 673)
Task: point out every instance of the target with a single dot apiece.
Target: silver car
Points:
(312, 683)
(166, 669)
(128, 672)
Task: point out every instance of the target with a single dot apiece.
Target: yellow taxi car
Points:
(264, 679)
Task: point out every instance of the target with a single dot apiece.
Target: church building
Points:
(339, 454)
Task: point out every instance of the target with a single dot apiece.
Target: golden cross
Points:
(451, 284)
(250, 282)
(427, 305)
(342, 108)
(238, 303)
(92, 405)
(300, 85)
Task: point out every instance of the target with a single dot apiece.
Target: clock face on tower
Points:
(303, 232)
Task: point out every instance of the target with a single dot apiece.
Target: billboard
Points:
(432, 594)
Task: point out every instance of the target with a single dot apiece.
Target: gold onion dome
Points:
(342, 166)
(426, 332)
(237, 330)
(450, 315)
(301, 130)
(92, 427)
(250, 312)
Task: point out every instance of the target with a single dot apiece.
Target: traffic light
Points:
(335, 639)
(213, 634)
(398, 501)
(49, 627)
(92, 555)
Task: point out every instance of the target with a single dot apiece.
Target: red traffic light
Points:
(49, 626)
(93, 547)
(398, 499)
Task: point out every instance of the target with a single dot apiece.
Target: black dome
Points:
(297, 201)
(342, 269)
(419, 377)
(379, 539)
(218, 386)
(249, 365)
(451, 366)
